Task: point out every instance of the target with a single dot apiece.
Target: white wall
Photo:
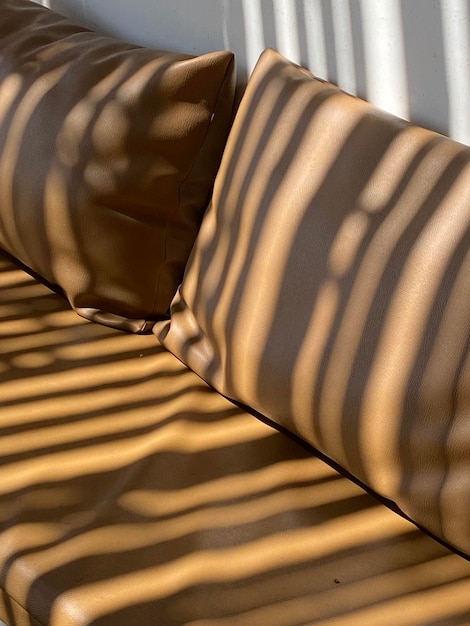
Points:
(410, 57)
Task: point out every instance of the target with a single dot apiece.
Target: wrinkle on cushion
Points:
(329, 289)
(108, 153)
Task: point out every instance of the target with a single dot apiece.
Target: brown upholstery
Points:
(329, 289)
(131, 494)
(108, 152)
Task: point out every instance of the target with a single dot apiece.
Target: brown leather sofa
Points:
(291, 446)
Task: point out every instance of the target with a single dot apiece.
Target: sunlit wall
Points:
(410, 57)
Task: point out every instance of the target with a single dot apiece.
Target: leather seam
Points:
(223, 83)
(30, 615)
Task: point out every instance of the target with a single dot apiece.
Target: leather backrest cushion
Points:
(329, 289)
(108, 153)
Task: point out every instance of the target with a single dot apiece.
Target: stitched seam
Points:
(11, 599)
(228, 69)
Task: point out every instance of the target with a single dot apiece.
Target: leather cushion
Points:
(108, 152)
(131, 494)
(329, 289)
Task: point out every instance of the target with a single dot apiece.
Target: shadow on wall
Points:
(410, 57)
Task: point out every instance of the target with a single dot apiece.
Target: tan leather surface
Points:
(16, 614)
(329, 289)
(108, 153)
(131, 494)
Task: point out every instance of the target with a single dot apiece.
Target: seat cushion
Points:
(329, 289)
(131, 493)
(108, 153)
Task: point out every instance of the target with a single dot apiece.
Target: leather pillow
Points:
(108, 152)
(329, 289)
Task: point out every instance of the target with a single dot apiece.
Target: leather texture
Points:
(108, 153)
(132, 494)
(329, 289)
